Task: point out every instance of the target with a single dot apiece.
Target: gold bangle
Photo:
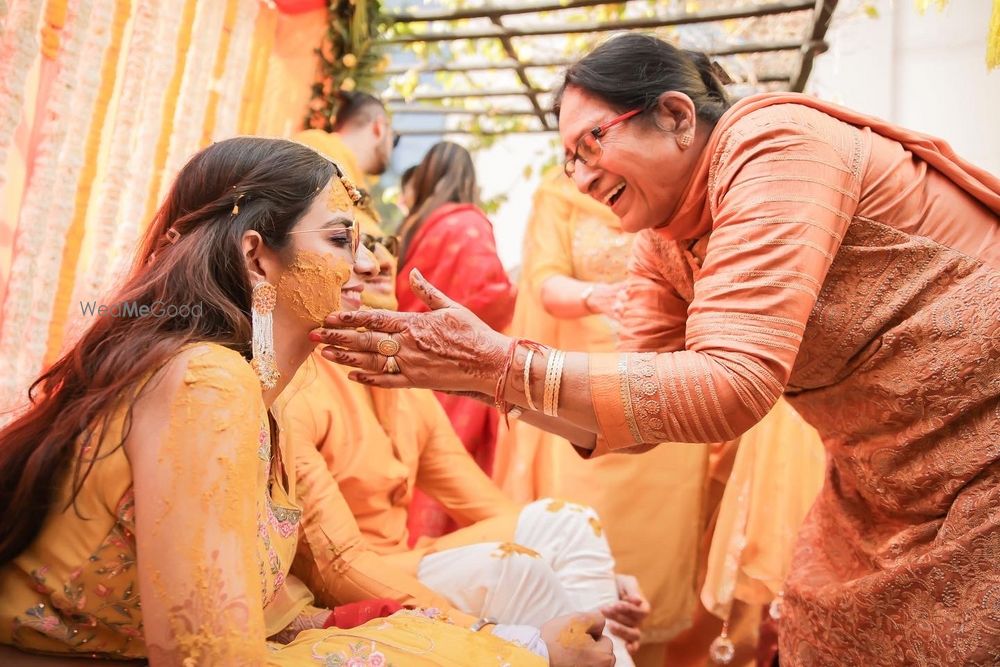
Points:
(527, 379)
(558, 384)
(553, 378)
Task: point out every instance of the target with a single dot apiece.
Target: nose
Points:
(584, 177)
(385, 260)
(365, 264)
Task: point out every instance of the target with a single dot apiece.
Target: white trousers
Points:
(559, 563)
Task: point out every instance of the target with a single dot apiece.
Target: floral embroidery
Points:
(360, 654)
(98, 607)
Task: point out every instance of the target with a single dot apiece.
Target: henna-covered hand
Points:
(448, 348)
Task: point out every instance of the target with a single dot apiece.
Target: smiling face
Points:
(642, 172)
(319, 277)
(380, 286)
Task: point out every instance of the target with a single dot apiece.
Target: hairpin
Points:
(721, 74)
(236, 203)
(352, 191)
(172, 235)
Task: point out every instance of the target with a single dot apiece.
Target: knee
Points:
(522, 563)
(567, 515)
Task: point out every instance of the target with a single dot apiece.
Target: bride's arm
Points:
(193, 447)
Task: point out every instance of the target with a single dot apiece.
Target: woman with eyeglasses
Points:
(786, 246)
(447, 237)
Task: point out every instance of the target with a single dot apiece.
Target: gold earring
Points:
(684, 141)
(261, 306)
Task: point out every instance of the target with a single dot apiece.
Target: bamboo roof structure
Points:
(492, 67)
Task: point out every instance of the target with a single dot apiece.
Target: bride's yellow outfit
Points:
(75, 590)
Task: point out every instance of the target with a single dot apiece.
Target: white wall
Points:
(925, 72)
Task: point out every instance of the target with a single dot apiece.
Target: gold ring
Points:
(391, 366)
(388, 347)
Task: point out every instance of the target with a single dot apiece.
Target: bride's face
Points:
(320, 277)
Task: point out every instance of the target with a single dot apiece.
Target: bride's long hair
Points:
(273, 181)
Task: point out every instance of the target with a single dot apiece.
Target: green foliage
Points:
(349, 57)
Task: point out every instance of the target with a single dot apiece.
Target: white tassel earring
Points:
(261, 306)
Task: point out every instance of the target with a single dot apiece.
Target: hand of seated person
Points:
(575, 640)
(626, 616)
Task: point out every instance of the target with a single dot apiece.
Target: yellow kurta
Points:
(75, 589)
(333, 147)
(655, 528)
(378, 446)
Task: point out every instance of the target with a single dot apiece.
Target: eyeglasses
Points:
(395, 138)
(351, 227)
(390, 243)
(589, 148)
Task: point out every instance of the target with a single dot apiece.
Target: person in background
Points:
(361, 453)
(362, 139)
(407, 195)
(447, 236)
(572, 281)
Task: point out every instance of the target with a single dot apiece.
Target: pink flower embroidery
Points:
(377, 659)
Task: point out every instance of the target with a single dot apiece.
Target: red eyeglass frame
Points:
(596, 132)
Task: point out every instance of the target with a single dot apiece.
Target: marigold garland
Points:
(189, 115)
(349, 58)
(75, 169)
(169, 105)
(17, 53)
(55, 21)
(99, 228)
(241, 49)
(17, 366)
(263, 43)
(221, 57)
(131, 220)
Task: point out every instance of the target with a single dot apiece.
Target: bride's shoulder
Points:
(205, 368)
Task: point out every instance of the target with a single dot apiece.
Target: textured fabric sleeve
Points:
(782, 192)
(655, 313)
(333, 558)
(197, 480)
(448, 472)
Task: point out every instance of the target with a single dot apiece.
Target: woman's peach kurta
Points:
(854, 266)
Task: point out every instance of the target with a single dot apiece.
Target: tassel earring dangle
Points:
(261, 307)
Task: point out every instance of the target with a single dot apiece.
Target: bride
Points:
(148, 466)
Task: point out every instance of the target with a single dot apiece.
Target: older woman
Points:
(786, 245)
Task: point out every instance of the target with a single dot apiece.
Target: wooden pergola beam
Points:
(814, 45)
(514, 92)
(491, 11)
(529, 89)
(627, 24)
(741, 49)
(478, 133)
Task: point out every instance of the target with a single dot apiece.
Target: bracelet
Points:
(482, 623)
(553, 379)
(558, 384)
(498, 393)
(527, 379)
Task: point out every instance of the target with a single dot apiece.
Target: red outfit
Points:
(455, 250)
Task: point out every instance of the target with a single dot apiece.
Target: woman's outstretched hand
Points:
(448, 348)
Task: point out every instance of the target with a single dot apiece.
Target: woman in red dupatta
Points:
(786, 245)
(448, 238)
